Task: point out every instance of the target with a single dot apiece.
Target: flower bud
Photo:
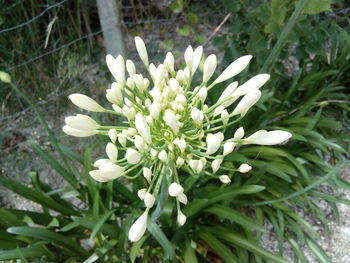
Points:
(228, 147)
(180, 161)
(112, 134)
(130, 67)
(175, 190)
(182, 198)
(239, 134)
(244, 168)
(214, 142)
(154, 110)
(174, 85)
(112, 152)
(247, 102)
(169, 62)
(147, 173)
(117, 109)
(202, 94)
(234, 68)
(143, 128)
(99, 162)
(85, 102)
(82, 122)
(171, 120)
(122, 139)
(160, 75)
(215, 165)
(141, 193)
(181, 218)
(218, 110)
(189, 57)
(138, 228)
(95, 174)
(132, 156)
(77, 133)
(149, 200)
(197, 56)
(209, 67)
(180, 76)
(139, 143)
(117, 68)
(224, 116)
(228, 91)
(225, 179)
(197, 115)
(141, 49)
(255, 82)
(263, 137)
(128, 112)
(162, 155)
(181, 144)
(110, 170)
(5, 77)
(154, 152)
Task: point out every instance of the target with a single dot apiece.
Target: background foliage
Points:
(304, 45)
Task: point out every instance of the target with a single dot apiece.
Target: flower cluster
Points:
(170, 128)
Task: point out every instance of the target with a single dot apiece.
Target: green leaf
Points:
(232, 6)
(278, 11)
(136, 247)
(23, 252)
(189, 253)
(318, 251)
(100, 223)
(222, 250)
(47, 235)
(317, 6)
(235, 216)
(158, 234)
(8, 219)
(107, 229)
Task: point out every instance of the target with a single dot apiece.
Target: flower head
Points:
(169, 126)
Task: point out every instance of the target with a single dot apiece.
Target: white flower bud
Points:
(122, 139)
(189, 57)
(181, 77)
(171, 120)
(152, 70)
(218, 110)
(182, 144)
(112, 134)
(160, 75)
(117, 68)
(132, 156)
(117, 109)
(194, 164)
(130, 67)
(224, 116)
(215, 165)
(181, 218)
(112, 152)
(228, 147)
(197, 56)
(138, 228)
(197, 115)
(239, 134)
(95, 174)
(228, 93)
(214, 142)
(77, 133)
(154, 152)
(85, 102)
(180, 161)
(202, 94)
(234, 68)
(141, 193)
(174, 85)
(145, 83)
(141, 49)
(255, 82)
(175, 190)
(138, 80)
(139, 143)
(5, 77)
(110, 170)
(130, 83)
(82, 122)
(263, 137)
(187, 73)
(149, 200)
(180, 98)
(169, 62)
(224, 179)
(128, 112)
(143, 128)
(247, 102)
(99, 162)
(209, 67)
(154, 110)
(147, 173)
(182, 198)
(114, 94)
(244, 168)
(162, 155)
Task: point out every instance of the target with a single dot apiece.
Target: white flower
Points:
(5, 77)
(202, 93)
(247, 102)
(141, 49)
(138, 228)
(143, 128)
(224, 115)
(132, 156)
(128, 112)
(214, 142)
(255, 82)
(114, 94)
(189, 57)
(228, 147)
(244, 168)
(95, 174)
(117, 67)
(215, 165)
(112, 152)
(82, 122)
(155, 109)
(182, 198)
(141, 193)
(130, 67)
(86, 103)
(175, 190)
(99, 162)
(197, 115)
(112, 134)
(162, 155)
(149, 200)
(218, 110)
(169, 62)
(171, 120)
(180, 161)
(77, 133)
(239, 134)
(197, 56)
(225, 179)
(209, 67)
(263, 137)
(140, 143)
(181, 218)
(110, 170)
(147, 173)
(234, 68)
(228, 93)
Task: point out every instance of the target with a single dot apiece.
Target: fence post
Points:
(110, 18)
